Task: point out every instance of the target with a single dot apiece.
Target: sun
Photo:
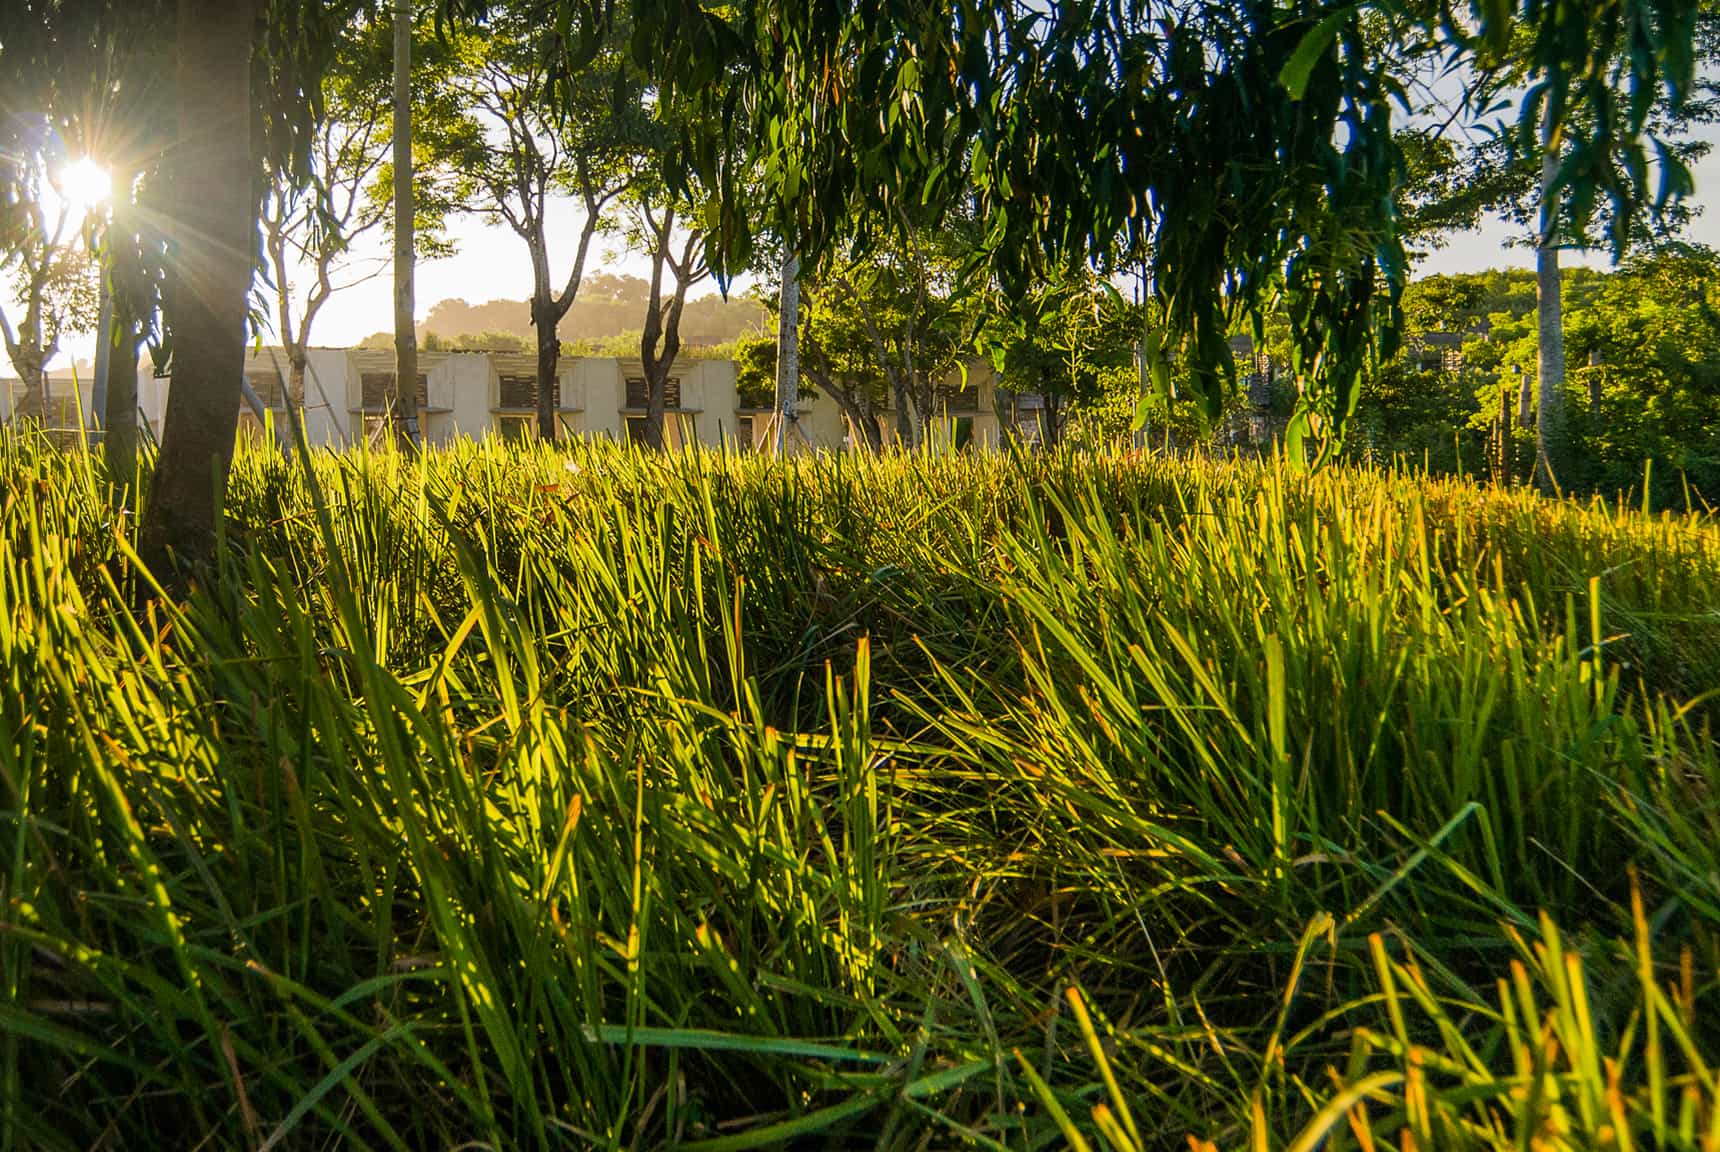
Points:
(85, 183)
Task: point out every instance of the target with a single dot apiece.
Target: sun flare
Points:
(85, 183)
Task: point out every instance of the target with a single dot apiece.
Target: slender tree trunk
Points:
(873, 432)
(1550, 320)
(1004, 412)
(119, 418)
(1502, 465)
(1049, 428)
(32, 405)
(858, 413)
(405, 209)
(544, 321)
(851, 411)
(119, 414)
(656, 410)
(655, 400)
(906, 427)
(788, 351)
(104, 362)
(660, 341)
(298, 363)
(213, 232)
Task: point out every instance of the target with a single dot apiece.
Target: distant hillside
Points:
(607, 306)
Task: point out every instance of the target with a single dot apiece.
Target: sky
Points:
(491, 263)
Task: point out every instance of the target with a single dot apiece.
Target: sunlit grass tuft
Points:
(522, 797)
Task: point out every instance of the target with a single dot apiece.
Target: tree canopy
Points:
(1248, 154)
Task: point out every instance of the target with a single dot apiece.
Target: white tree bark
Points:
(1550, 322)
(405, 304)
(788, 351)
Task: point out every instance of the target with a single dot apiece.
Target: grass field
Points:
(511, 798)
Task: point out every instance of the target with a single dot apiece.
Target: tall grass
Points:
(517, 797)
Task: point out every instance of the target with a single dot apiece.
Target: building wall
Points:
(599, 386)
(464, 400)
(151, 397)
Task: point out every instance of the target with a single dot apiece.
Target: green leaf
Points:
(1297, 70)
(1143, 410)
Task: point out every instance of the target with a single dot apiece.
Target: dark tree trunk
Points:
(660, 343)
(1004, 411)
(298, 366)
(130, 291)
(119, 420)
(33, 404)
(655, 379)
(545, 322)
(1502, 459)
(857, 408)
(213, 233)
(1050, 427)
(656, 409)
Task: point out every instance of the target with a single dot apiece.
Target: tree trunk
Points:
(548, 362)
(1550, 320)
(119, 417)
(656, 409)
(405, 208)
(298, 362)
(655, 401)
(662, 324)
(119, 411)
(907, 427)
(861, 420)
(212, 235)
(788, 351)
(1049, 426)
(1004, 411)
(32, 405)
(1502, 462)
(104, 362)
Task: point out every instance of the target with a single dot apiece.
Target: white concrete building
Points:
(61, 412)
(481, 393)
(477, 393)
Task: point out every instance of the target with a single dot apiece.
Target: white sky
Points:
(491, 263)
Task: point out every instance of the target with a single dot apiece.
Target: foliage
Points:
(891, 327)
(1644, 343)
(755, 370)
(1647, 388)
(1073, 341)
(539, 797)
(608, 302)
(476, 342)
(310, 227)
(57, 280)
(511, 149)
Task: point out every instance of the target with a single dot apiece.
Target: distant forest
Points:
(608, 307)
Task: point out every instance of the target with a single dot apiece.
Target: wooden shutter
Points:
(374, 389)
